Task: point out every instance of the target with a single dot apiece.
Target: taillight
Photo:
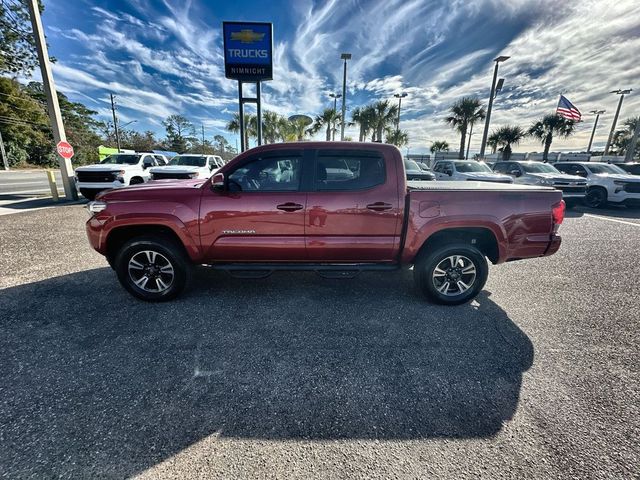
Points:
(558, 212)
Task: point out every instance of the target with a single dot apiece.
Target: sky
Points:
(163, 57)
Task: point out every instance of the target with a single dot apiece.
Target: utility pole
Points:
(595, 124)
(622, 93)
(345, 57)
(66, 170)
(399, 96)
(335, 97)
(202, 125)
(115, 122)
(5, 162)
(485, 134)
(631, 149)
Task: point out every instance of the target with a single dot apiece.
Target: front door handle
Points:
(290, 207)
(379, 206)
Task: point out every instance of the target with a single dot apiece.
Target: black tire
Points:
(427, 279)
(136, 181)
(166, 252)
(596, 197)
(89, 193)
(570, 203)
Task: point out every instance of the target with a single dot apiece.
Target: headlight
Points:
(543, 181)
(96, 206)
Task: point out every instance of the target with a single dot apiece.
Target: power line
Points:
(27, 98)
(7, 117)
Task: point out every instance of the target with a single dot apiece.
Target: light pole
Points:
(597, 113)
(501, 58)
(335, 97)
(345, 57)
(466, 157)
(622, 93)
(399, 96)
(128, 123)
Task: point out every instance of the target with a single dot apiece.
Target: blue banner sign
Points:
(248, 51)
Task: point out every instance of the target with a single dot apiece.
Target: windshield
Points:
(188, 161)
(604, 168)
(411, 165)
(120, 158)
(539, 168)
(466, 167)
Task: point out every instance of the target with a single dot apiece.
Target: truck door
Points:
(259, 216)
(353, 208)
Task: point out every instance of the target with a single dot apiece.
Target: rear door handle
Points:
(290, 207)
(379, 206)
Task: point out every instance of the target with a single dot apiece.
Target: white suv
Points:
(188, 166)
(467, 170)
(605, 183)
(116, 171)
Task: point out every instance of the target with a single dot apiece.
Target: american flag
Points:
(568, 110)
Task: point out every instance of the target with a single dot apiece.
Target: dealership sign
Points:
(248, 51)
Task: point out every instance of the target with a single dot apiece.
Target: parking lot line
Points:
(612, 219)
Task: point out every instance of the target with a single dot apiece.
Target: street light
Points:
(128, 123)
(345, 57)
(597, 113)
(622, 93)
(335, 97)
(501, 58)
(399, 96)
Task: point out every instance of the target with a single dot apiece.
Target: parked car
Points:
(415, 172)
(606, 183)
(451, 170)
(631, 168)
(246, 221)
(573, 187)
(188, 166)
(116, 171)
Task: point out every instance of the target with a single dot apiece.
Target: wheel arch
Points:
(483, 238)
(118, 236)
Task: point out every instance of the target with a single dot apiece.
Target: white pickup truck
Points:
(188, 166)
(116, 171)
(467, 170)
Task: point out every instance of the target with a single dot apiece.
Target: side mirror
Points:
(515, 173)
(449, 172)
(217, 181)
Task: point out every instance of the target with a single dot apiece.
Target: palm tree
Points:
(363, 116)
(622, 138)
(439, 146)
(464, 113)
(383, 115)
(551, 125)
(398, 138)
(507, 136)
(493, 142)
(271, 127)
(250, 126)
(326, 119)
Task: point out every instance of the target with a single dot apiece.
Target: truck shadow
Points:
(95, 382)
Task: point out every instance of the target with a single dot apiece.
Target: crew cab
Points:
(278, 207)
(467, 170)
(116, 171)
(188, 166)
(573, 187)
(606, 183)
(632, 168)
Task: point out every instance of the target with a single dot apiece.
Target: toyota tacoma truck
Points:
(276, 207)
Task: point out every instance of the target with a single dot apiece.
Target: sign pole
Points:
(4, 155)
(243, 147)
(55, 116)
(259, 113)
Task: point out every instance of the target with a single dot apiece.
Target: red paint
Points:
(65, 150)
(332, 227)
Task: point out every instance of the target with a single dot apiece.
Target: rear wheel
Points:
(153, 268)
(136, 181)
(596, 197)
(451, 274)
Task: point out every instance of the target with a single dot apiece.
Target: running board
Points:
(331, 270)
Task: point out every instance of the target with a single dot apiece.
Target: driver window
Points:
(275, 174)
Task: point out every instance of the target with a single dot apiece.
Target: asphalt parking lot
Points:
(303, 377)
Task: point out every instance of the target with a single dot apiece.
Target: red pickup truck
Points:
(333, 207)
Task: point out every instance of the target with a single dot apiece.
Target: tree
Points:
(383, 115)
(180, 133)
(274, 127)
(250, 126)
(363, 117)
(222, 145)
(398, 138)
(622, 138)
(439, 146)
(507, 136)
(296, 130)
(17, 46)
(547, 127)
(493, 142)
(465, 113)
(326, 119)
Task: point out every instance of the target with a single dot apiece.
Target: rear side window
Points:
(345, 172)
(500, 167)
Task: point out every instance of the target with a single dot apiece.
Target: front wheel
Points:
(152, 268)
(451, 274)
(596, 198)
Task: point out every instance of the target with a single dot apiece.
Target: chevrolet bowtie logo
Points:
(247, 36)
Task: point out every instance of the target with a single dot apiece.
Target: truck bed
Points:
(466, 186)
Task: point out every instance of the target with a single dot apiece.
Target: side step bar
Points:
(337, 270)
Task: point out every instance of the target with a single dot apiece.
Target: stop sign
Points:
(65, 150)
